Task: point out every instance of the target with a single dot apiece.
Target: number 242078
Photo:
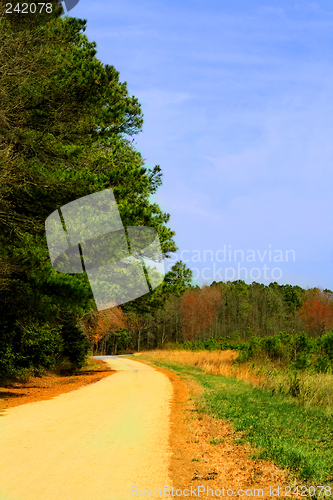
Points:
(31, 8)
(311, 491)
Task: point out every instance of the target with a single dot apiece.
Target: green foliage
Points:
(243, 356)
(122, 340)
(41, 346)
(273, 347)
(65, 131)
(202, 345)
(179, 279)
(292, 296)
(7, 361)
(301, 362)
(175, 283)
(294, 385)
(322, 364)
(327, 343)
(75, 344)
(299, 352)
(242, 312)
(258, 310)
(302, 343)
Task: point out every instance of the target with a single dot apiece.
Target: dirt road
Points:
(97, 442)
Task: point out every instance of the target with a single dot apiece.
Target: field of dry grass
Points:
(214, 362)
(310, 389)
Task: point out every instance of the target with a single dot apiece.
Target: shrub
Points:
(122, 340)
(327, 342)
(303, 343)
(75, 343)
(40, 347)
(198, 345)
(243, 356)
(302, 361)
(287, 344)
(322, 364)
(294, 385)
(273, 347)
(212, 345)
(7, 362)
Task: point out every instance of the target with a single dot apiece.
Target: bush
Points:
(41, 346)
(327, 343)
(212, 345)
(322, 364)
(287, 344)
(243, 356)
(122, 340)
(75, 343)
(64, 366)
(27, 351)
(198, 345)
(303, 344)
(7, 362)
(294, 385)
(302, 361)
(273, 347)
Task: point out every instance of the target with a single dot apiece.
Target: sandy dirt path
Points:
(94, 443)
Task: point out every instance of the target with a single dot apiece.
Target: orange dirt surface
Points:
(194, 462)
(49, 386)
(98, 442)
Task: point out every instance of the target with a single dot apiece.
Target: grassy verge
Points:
(281, 431)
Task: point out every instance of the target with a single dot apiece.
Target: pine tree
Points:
(66, 126)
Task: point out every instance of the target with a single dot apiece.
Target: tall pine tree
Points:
(65, 127)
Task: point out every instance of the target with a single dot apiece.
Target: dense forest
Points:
(236, 311)
(66, 130)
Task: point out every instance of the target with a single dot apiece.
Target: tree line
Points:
(233, 311)
(224, 311)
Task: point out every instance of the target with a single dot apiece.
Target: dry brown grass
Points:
(214, 362)
(313, 389)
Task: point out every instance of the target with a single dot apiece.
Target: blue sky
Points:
(238, 112)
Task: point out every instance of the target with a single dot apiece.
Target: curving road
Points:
(97, 442)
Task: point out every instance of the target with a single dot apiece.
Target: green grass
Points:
(216, 441)
(281, 431)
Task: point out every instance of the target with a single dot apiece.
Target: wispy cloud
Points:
(238, 111)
